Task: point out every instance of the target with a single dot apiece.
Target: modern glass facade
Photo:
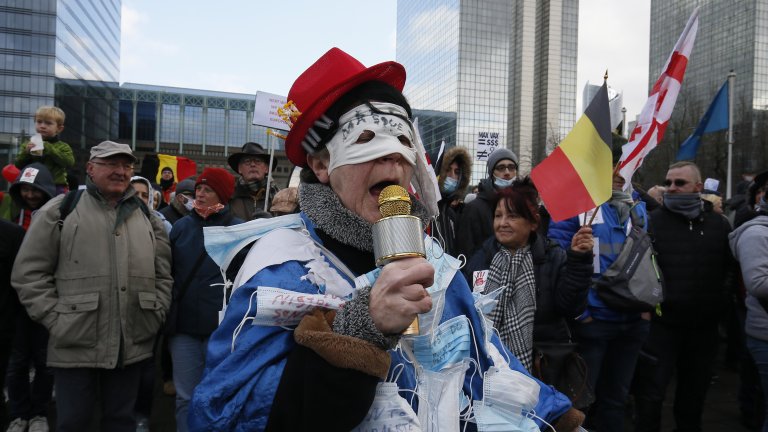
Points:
(203, 125)
(64, 53)
(731, 36)
(471, 66)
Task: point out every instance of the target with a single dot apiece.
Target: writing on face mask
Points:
(279, 307)
(448, 345)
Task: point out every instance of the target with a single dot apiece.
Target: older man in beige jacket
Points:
(100, 282)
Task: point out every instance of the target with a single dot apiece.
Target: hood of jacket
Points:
(460, 155)
(36, 175)
(151, 203)
(735, 236)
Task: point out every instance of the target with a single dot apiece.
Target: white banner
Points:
(265, 111)
(487, 142)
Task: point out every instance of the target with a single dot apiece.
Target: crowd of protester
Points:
(98, 281)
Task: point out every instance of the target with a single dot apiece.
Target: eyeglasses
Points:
(115, 165)
(502, 168)
(252, 160)
(677, 182)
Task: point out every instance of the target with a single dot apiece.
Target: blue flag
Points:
(715, 119)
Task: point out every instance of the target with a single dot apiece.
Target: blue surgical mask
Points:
(509, 391)
(502, 183)
(450, 185)
(224, 242)
(448, 345)
(489, 419)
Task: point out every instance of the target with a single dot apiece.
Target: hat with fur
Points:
(220, 181)
(461, 156)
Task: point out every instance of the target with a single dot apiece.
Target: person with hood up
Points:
(252, 164)
(181, 202)
(32, 189)
(326, 356)
(28, 401)
(196, 300)
(476, 220)
(147, 194)
(749, 244)
(454, 169)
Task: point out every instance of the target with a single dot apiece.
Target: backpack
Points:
(70, 202)
(633, 282)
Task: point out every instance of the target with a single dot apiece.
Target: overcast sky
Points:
(246, 46)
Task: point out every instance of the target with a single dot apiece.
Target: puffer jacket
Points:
(562, 278)
(749, 244)
(610, 235)
(476, 221)
(447, 222)
(696, 261)
(100, 284)
(198, 309)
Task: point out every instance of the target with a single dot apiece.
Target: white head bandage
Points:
(390, 122)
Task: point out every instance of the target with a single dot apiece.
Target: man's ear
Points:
(319, 166)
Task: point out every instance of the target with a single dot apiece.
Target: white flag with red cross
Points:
(655, 115)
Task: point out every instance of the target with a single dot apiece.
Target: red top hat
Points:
(323, 83)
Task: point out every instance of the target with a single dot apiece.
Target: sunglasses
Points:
(677, 182)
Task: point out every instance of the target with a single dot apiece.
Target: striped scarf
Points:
(513, 316)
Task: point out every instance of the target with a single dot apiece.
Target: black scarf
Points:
(685, 204)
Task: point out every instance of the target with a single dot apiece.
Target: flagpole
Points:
(731, 79)
(271, 142)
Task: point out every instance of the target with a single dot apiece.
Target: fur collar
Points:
(323, 207)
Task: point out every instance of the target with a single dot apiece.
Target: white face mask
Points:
(386, 128)
(189, 203)
(279, 307)
(509, 391)
(443, 391)
(389, 412)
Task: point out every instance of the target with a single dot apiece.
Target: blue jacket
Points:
(198, 309)
(611, 235)
(238, 386)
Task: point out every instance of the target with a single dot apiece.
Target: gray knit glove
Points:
(354, 319)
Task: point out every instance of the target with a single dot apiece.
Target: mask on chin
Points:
(205, 211)
(502, 183)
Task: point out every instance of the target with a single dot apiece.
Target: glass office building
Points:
(731, 36)
(490, 69)
(64, 53)
(203, 125)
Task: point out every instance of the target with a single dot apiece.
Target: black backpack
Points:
(633, 282)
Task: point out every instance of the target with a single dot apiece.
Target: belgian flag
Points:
(577, 176)
(153, 164)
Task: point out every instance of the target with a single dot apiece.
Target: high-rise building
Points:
(731, 36)
(491, 72)
(62, 52)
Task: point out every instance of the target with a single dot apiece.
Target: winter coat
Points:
(247, 206)
(240, 384)
(172, 212)
(447, 221)
(696, 261)
(100, 284)
(57, 157)
(11, 236)
(749, 244)
(476, 221)
(562, 278)
(201, 302)
(610, 236)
